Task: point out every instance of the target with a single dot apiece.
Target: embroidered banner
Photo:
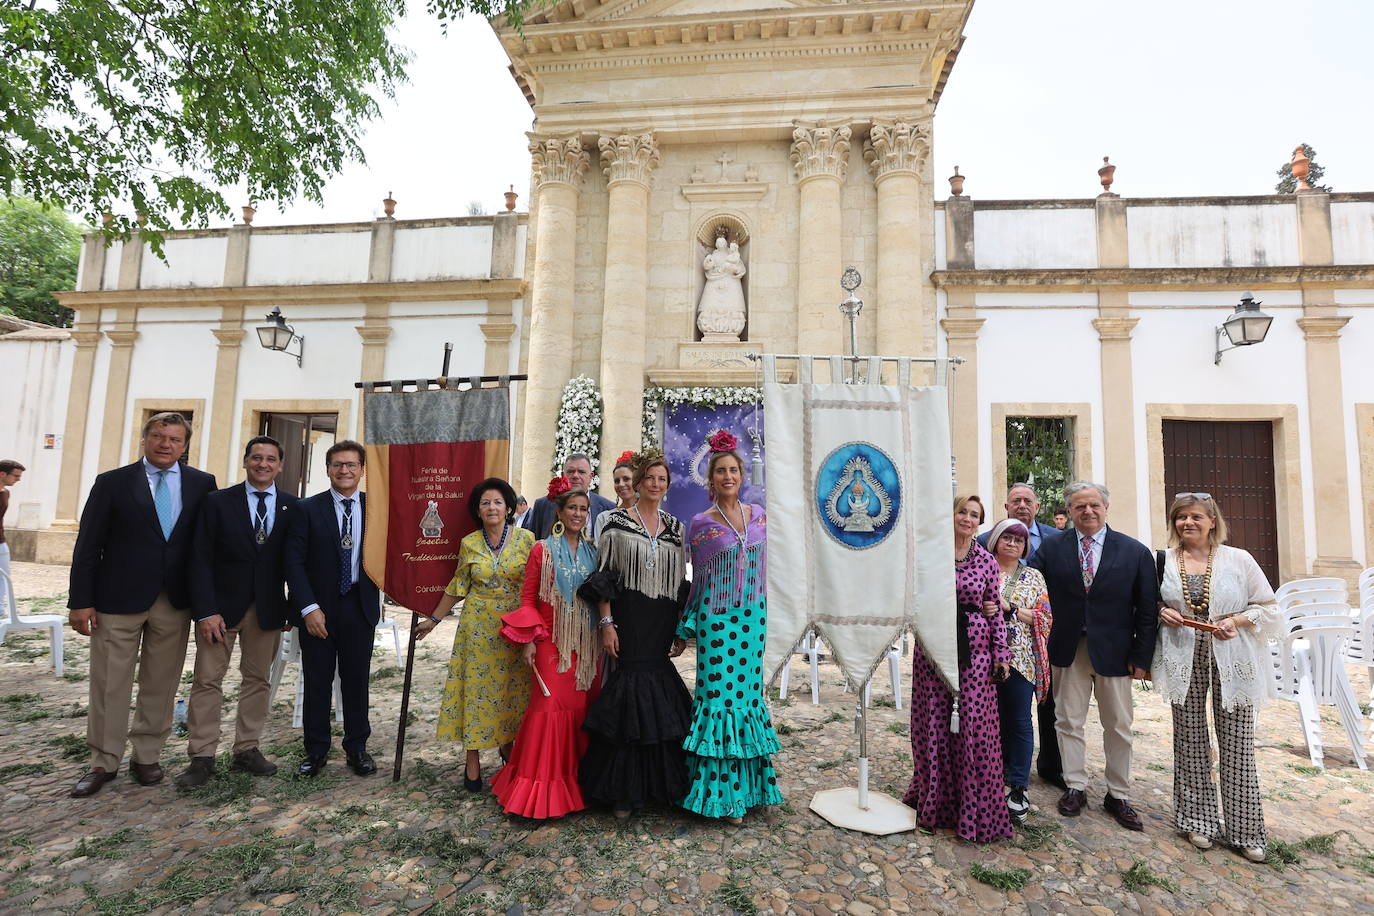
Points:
(686, 430)
(425, 451)
(860, 533)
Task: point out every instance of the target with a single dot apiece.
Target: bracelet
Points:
(606, 622)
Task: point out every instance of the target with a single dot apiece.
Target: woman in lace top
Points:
(1209, 582)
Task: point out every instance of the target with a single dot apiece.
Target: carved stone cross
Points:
(724, 159)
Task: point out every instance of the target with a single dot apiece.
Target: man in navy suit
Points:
(1106, 613)
(129, 594)
(1023, 505)
(541, 516)
(339, 606)
(238, 594)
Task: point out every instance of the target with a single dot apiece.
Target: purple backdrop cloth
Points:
(685, 431)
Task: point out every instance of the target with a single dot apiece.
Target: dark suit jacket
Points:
(544, 513)
(1046, 532)
(1121, 610)
(312, 560)
(122, 561)
(229, 571)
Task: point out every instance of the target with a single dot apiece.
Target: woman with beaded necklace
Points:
(485, 694)
(1206, 582)
(634, 756)
(559, 641)
(732, 733)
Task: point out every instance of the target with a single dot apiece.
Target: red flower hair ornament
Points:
(722, 441)
(558, 486)
(625, 457)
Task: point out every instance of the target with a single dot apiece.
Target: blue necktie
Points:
(162, 501)
(346, 552)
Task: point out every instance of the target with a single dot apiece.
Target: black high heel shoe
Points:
(472, 785)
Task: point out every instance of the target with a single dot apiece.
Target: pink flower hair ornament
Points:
(722, 441)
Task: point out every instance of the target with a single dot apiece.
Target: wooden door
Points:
(1233, 461)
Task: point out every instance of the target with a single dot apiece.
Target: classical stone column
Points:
(820, 156)
(229, 335)
(896, 153)
(122, 338)
(628, 161)
(1118, 421)
(558, 164)
(1326, 427)
(961, 333)
(86, 336)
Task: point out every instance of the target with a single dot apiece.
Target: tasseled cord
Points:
(954, 717)
(573, 630)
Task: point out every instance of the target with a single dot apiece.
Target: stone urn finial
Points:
(249, 211)
(1301, 165)
(106, 218)
(510, 199)
(389, 206)
(956, 183)
(1107, 174)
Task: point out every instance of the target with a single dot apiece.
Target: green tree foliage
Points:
(39, 247)
(1040, 453)
(1288, 184)
(149, 107)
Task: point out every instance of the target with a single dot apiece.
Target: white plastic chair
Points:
(1302, 585)
(1304, 597)
(53, 623)
(810, 646)
(1310, 670)
(290, 651)
(1366, 587)
(379, 639)
(894, 670)
(1361, 650)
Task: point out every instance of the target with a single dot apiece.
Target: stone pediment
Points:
(608, 10)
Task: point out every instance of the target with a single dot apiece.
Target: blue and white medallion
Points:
(858, 495)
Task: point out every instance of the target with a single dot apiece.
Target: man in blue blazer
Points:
(238, 594)
(541, 516)
(1023, 505)
(1106, 613)
(340, 608)
(129, 594)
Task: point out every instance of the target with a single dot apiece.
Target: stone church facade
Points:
(801, 133)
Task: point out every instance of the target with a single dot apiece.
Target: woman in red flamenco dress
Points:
(562, 648)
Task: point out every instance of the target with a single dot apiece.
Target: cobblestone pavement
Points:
(342, 844)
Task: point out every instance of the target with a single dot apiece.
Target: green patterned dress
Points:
(488, 686)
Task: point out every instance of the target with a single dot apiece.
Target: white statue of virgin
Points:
(721, 314)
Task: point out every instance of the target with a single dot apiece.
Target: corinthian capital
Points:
(557, 159)
(628, 157)
(896, 146)
(820, 150)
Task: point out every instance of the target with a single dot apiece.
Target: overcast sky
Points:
(1205, 97)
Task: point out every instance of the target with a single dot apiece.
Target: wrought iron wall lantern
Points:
(1246, 326)
(278, 335)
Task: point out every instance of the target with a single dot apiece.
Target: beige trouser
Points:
(1073, 686)
(154, 642)
(257, 649)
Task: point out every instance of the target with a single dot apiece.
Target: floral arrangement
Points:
(697, 396)
(579, 424)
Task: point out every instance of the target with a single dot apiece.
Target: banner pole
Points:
(863, 746)
(405, 700)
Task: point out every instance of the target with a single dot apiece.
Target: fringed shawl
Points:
(574, 623)
(735, 576)
(626, 550)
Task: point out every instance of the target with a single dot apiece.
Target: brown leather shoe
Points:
(1072, 802)
(146, 774)
(90, 783)
(1121, 809)
(201, 771)
(253, 762)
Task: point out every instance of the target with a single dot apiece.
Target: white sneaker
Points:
(1017, 805)
(1254, 853)
(1200, 841)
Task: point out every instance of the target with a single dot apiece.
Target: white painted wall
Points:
(1236, 235)
(941, 256)
(1357, 383)
(285, 259)
(442, 253)
(190, 262)
(1006, 239)
(1352, 232)
(416, 347)
(36, 375)
(110, 275)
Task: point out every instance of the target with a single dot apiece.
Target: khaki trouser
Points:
(154, 641)
(1073, 686)
(257, 649)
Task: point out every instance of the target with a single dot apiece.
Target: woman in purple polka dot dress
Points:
(957, 778)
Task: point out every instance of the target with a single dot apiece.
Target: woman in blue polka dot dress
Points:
(732, 735)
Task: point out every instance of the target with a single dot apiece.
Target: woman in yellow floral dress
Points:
(488, 686)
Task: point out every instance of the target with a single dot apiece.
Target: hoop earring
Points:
(557, 530)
